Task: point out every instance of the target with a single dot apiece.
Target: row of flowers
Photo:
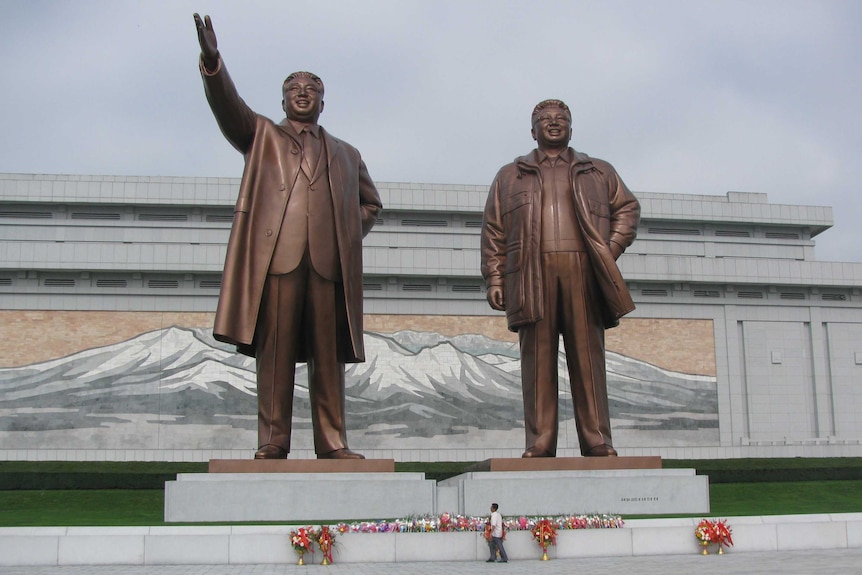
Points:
(544, 529)
(448, 522)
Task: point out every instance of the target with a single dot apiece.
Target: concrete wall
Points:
(269, 544)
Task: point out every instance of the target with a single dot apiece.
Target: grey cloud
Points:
(681, 97)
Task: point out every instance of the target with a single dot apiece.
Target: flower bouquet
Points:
(300, 540)
(722, 533)
(446, 522)
(325, 539)
(545, 534)
(716, 532)
(705, 533)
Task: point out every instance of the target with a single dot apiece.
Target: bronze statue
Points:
(555, 222)
(292, 284)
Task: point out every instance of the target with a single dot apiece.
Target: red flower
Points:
(325, 539)
(717, 531)
(545, 533)
(722, 533)
(299, 540)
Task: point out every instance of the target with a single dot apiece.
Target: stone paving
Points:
(832, 561)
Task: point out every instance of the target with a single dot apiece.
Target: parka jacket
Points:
(606, 211)
(272, 163)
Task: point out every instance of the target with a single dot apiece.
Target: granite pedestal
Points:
(297, 491)
(320, 490)
(549, 492)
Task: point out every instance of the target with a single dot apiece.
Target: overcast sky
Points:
(681, 96)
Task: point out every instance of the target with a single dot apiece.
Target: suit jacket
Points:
(606, 211)
(272, 164)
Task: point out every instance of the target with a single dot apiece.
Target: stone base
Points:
(301, 466)
(617, 491)
(297, 497)
(268, 544)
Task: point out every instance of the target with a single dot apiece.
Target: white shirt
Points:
(496, 524)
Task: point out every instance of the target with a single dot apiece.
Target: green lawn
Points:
(785, 498)
(82, 507)
(146, 507)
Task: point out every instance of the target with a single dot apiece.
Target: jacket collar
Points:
(530, 162)
(288, 128)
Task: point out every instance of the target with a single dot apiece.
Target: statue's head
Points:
(552, 124)
(302, 97)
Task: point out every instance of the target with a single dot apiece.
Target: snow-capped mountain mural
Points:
(414, 387)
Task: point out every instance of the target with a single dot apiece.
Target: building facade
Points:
(742, 344)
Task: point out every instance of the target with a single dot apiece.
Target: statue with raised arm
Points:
(555, 222)
(292, 285)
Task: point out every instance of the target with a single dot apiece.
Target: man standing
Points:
(292, 283)
(496, 544)
(555, 222)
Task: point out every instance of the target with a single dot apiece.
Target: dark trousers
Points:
(299, 311)
(496, 544)
(571, 307)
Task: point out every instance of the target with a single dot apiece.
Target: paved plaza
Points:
(833, 561)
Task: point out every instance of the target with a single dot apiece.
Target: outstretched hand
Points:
(207, 40)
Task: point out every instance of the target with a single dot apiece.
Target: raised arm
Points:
(207, 40)
(236, 120)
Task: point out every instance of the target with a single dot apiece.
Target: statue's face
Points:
(552, 128)
(303, 100)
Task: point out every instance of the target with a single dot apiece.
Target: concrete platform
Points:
(268, 544)
(310, 497)
(325, 490)
(615, 491)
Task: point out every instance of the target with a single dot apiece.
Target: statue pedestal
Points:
(552, 486)
(298, 491)
(316, 491)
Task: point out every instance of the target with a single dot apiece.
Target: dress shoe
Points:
(341, 454)
(490, 561)
(536, 452)
(602, 450)
(270, 451)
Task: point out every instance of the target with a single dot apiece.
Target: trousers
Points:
(571, 308)
(495, 545)
(299, 310)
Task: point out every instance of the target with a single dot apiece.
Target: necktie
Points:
(309, 153)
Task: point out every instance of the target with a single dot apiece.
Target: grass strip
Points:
(785, 498)
(91, 507)
(152, 474)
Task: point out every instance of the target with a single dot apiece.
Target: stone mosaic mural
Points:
(177, 388)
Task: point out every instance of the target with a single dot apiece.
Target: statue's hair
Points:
(550, 104)
(303, 74)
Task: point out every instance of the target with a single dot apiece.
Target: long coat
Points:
(272, 164)
(606, 211)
